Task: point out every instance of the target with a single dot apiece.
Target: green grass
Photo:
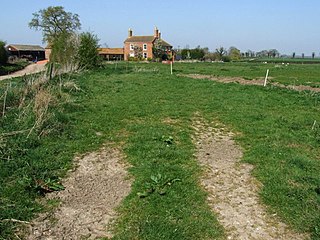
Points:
(292, 74)
(12, 67)
(276, 132)
(296, 60)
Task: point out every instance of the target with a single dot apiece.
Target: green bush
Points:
(196, 53)
(225, 59)
(64, 49)
(13, 67)
(88, 55)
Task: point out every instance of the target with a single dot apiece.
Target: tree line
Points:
(220, 54)
(231, 54)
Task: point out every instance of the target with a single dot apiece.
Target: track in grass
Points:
(258, 82)
(233, 192)
(92, 192)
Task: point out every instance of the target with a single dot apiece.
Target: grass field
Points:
(278, 129)
(297, 60)
(292, 74)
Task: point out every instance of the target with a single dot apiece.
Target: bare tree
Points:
(221, 51)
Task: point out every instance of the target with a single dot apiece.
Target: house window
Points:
(131, 46)
(131, 54)
(145, 55)
(145, 46)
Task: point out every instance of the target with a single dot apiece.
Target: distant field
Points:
(286, 60)
(141, 106)
(288, 74)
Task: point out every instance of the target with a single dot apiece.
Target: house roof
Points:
(20, 47)
(140, 39)
(145, 39)
(115, 51)
(164, 43)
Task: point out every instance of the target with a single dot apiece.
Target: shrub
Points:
(88, 56)
(64, 51)
(196, 53)
(210, 57)
(225, 59)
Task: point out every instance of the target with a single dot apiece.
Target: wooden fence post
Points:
(266, 79)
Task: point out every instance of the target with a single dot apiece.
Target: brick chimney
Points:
(130, 32)
(156, 32)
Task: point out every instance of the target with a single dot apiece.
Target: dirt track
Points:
(87, 205)
(30, 69)
(232, 191)
(242, 81)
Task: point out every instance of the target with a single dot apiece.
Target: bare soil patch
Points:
(232, 191)
(30, 69)
(243, 81)
(93, 190)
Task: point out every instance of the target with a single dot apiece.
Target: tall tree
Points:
(263, 53)
(205, 50)
(273, 53)
(197, 53)
(251, 53)
(3, 53)
(221, 51)
(159, 51)
(53, 21)
(234, 53)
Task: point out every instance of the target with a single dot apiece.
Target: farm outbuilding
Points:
(112, 54)
(30, 52)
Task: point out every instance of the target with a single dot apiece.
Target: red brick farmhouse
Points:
(142, 46)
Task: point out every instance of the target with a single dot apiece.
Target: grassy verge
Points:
(10, 68)
(150, 110)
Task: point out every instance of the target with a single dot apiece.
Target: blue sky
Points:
(286, 25)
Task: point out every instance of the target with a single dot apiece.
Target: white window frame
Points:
(145, 46)
(131, 54)
(145, 55)
(131, 47)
